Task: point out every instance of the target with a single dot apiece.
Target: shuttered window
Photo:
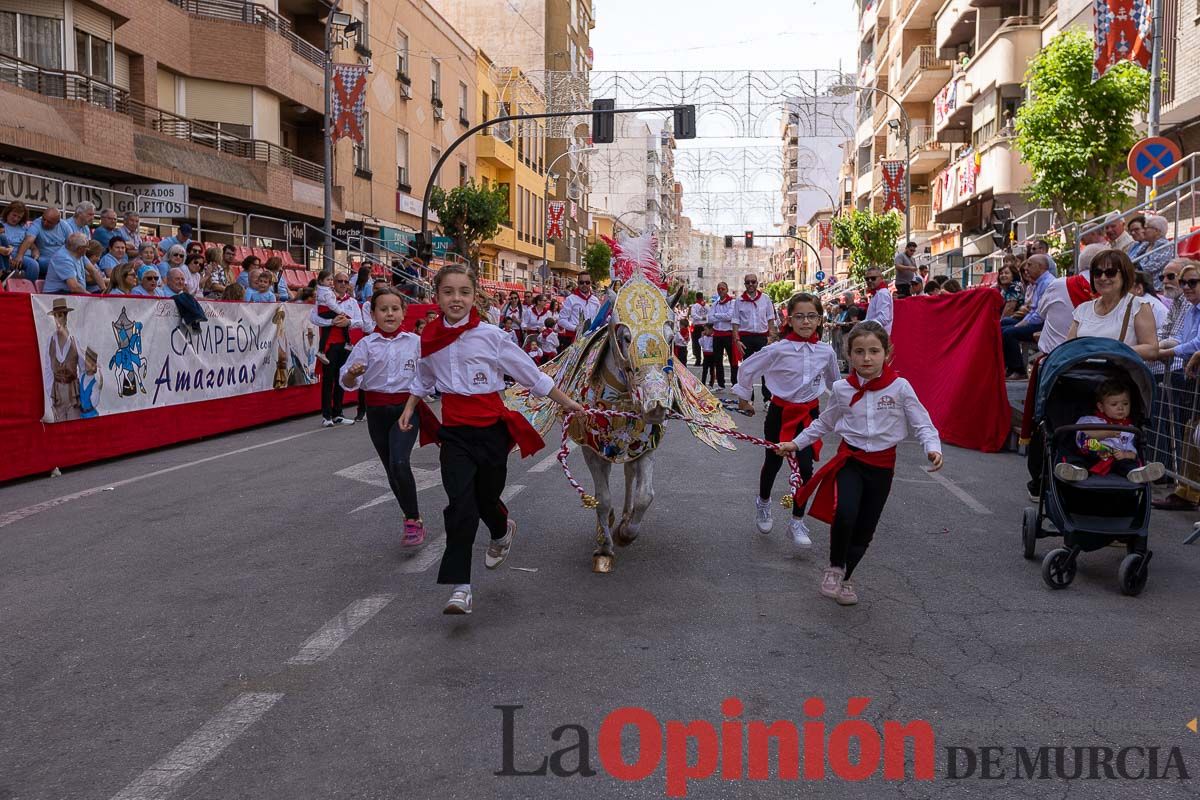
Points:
(121, 69)
(97, 23)
(219, 102)
(37, 8)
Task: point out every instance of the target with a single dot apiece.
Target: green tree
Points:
(870, 238)
(470, 215)
(598, 258)
(1074, 134)
(780, 290)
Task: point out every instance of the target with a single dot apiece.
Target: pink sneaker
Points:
(414, 533)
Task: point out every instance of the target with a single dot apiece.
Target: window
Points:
(435, 72)
(402, 64)
(434, 155)
(227, 137)
(485, 104)
(363, 37)
(93, 56)
(362, 150)
(463, 175)
(402, 181)
(464, 99)
(34, 39)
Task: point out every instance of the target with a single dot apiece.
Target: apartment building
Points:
(810, 174)
(626, 175)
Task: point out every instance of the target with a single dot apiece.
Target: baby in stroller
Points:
(1107, 452)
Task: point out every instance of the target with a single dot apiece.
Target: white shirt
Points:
(191, 280)
(880, 420)
(1109, 325)
(533, 321)
(548, 341)
(881, 309)
(723, 316)
(1160, 313)
(391, 363)
(754, 316)
(349, 307)
(706, 344)
(798, 372)
(1056, 311)
(573, 306)
(476, 363)
(699, 313)
(493, 315)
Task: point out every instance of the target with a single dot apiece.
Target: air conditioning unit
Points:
(405, 90)
(403, 77)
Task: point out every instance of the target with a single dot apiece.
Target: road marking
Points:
(335, 632)
(435, 544)
(957, 491)
(22, 513)
(371, 472)
(201, 747)
(551, 459)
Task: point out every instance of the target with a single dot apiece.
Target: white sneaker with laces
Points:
(459, 602)
(327, 423)
(1069, 472)
(831, 581)
(342, 421)
(1147, 474)
(846, 595)
(762, 515)
(799, 532)
(498, 549)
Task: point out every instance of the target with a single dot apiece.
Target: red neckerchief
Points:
(1126, 421)
(391, 335)
(345, 298)
(700, 301)
(884, 380)
(581, 295)
(750, 299)
(437, 335)
(1079, 289)
(725, 300)
(792, 336)
(872, 292)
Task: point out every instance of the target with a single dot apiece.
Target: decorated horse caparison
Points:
(625, 363)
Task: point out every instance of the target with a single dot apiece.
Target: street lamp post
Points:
(335, 17)
(546, 194)
(846, 89)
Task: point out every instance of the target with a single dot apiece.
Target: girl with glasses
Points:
(797, 369)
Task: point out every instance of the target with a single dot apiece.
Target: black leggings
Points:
(723, 345)
(331, 387)
(697, 332)
(772, 461)
(394, 447)
(474, 471)
(753, 342)
(862, 491)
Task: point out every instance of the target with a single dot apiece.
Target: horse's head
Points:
(641, 332)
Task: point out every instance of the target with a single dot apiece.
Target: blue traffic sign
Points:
(820, 276)
(1154, 155)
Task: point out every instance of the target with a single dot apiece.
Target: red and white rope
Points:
(589, 501)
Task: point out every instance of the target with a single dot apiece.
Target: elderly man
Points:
(49, 232)
(1114, 231)
(1013, 332)
(880, 309)
(81, 221)
(182, 239)
(67, 271)
(1040, 247)
(1156, 250)
(129, 231)
(906, 270)
(108, 228)
(176, 281)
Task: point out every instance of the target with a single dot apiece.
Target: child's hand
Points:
(405, 422)
(356, 370)
(746, 407)
(786, 448)
(936, 460)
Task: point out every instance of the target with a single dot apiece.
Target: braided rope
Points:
(589, 501)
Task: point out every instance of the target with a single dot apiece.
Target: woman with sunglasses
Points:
(149, 284)
(1117, 313)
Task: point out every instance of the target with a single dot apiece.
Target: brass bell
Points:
(589, 501)
(786, 501)
(602, 564)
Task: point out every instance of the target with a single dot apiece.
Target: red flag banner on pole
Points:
(554, 219)
(823, 231)
(349, 92)
(1124, 32)
(893, 185)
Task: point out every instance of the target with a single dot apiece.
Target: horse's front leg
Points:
(602, 556)
(639, 494)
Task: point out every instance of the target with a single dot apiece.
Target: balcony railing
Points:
(68, 85)
(922, 58)
(255, 14)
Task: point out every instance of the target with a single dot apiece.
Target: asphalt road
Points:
(235, 619)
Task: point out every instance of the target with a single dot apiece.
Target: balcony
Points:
(869, 17)
(997, 172)
(254, 14)
(921, 218)
(922, 75)
(66, 85)
(1003, 58)
(955, 26)
(926, 152)
(952, 111)
(495, 152)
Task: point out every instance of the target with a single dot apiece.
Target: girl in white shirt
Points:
(382, 367)
(798, 369)
(467, 362)
(872, 410)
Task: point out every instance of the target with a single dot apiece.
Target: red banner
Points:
(348, 95)
(894, 176)
(948, 347)
(823, 230)
(1124, 31)
(554, 219)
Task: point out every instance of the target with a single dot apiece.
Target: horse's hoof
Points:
(603, 564)
(624, 538)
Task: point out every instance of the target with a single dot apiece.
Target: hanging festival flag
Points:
(893, 185)
(554, 219)
(1123, 32)
(349, 91)
(823, 231)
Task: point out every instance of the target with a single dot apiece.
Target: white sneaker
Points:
(762, 515)
(831, 581)
(459, 602)
(324, 359)
(846, 595)
(799, 532)
(1147, 474)
(327, 423)
(498, 549)
(1069, 472)
(342, 421)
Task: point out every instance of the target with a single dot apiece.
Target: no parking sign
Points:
(1151, 156)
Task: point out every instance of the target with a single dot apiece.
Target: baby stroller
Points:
(1101, 509)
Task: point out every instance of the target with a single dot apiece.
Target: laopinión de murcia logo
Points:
(633, 745)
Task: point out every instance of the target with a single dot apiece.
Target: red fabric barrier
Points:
(948, 347)
(33, 447)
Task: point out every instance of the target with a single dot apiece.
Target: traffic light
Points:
(1001, 224)
(602, 124)
(685, 122)
(729, 241)
(749, 239)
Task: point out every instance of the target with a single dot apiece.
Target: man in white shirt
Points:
(1057, 309)
(1114, 231)
(581, 303)
(753, 325)
(722, 316)
(337, 348)
(881, 307)
(699, 317)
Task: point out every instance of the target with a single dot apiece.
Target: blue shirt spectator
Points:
(183, 239)
(64, 267)
(253, 296)
(107, 229)
(129, 231)
(49, 232)
(108, 261)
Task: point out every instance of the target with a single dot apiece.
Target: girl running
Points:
(798, 369)
(467, 362)
(873, 410)
(382, 367)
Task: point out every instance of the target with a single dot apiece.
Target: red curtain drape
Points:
(948, 347)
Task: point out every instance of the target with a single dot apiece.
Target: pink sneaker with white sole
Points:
(414, 533)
